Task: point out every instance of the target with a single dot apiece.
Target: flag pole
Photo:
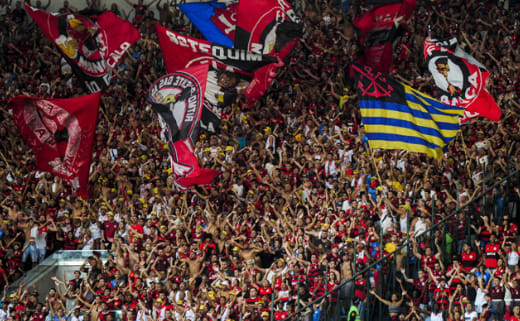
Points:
(380, 180)
(3, 157)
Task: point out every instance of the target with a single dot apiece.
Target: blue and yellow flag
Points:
(396, 116)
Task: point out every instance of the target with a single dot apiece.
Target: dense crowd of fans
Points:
(300, 202)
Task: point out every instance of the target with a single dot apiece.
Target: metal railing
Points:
(389, 259)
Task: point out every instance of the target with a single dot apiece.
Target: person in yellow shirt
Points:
(391, 246)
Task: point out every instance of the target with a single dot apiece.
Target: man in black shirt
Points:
(19, 13)
(140, 9)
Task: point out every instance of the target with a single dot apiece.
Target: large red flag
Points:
(377, 27)
(461, 79)
(92, 48)
(61, 133)
(178, 98)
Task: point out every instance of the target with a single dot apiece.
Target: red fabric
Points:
(492, 252)
(181, 116)
(379, 20)
(61, 134)
(469, 260)
(256, 25)
(227, 14)
(257, 21)
(186, 168)
(107, 41)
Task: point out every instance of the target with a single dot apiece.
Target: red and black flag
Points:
(267, 26)
(460, 78)
(92, 48)
(61, 133)
(178, 99)
(185, 167)
(232, 71)
(378, 29)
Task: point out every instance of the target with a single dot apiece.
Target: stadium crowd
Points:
(300, 202)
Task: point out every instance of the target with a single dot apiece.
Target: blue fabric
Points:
(200, 14)
(316, 315)
(242, 142)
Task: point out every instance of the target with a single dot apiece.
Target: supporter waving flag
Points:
(92, 48)
(178, 99)
(232, 71)
(61, 133)
(215, 20)
(378, 28)
(461, 79)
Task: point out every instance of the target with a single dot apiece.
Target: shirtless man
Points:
(195, 264)
(346, 270)
(247, 253)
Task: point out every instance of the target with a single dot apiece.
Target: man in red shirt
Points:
(136, 228)
(516, 314)
(428, 259)
(492, 252)
(469, 258)
(109, 229)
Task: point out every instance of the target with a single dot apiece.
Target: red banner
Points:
(180, 51)
(268, 27)
(258, 25)
(178, 98)
(92, 48)
(460, 78)
(61, 133)
(377, 27)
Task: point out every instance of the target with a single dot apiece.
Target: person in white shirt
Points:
(29, 248)
(470, 314)
(76, 315)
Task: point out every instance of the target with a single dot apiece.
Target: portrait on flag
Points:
(460, 78)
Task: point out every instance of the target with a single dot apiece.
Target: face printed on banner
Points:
(453, 81)
(461, 79)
